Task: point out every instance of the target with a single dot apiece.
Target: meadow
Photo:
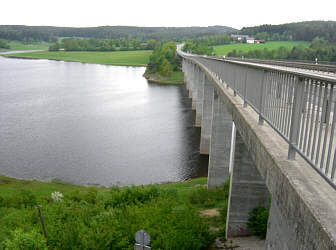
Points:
(221, 50)
(107, 218)
(122, 58)
(17, 45)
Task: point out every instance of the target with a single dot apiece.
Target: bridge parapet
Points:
(299, 106)
(302, 214)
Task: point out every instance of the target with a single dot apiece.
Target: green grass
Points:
(122, 58)
(17, 45)
(175, 78)
(224, 49)
(107, 218)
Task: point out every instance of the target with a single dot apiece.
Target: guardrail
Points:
(321, 66)
(299, 106)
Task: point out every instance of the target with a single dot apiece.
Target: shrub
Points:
(258, 221)
(25, 241)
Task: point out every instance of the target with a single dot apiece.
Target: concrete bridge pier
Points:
(191, 80)
(199, 97)
(195, 82)
(220, 145)
(247, 191)
(208, 91)
(186, 74)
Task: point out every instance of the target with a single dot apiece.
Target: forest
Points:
(50, 33)
(93, 44)
(302, 31)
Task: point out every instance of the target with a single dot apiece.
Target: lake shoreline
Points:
(155, 78)
(123, 58)
(61, 60)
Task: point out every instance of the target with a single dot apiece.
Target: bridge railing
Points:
(321, 66)
(299, 106)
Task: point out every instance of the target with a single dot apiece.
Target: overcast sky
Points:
(169, 13)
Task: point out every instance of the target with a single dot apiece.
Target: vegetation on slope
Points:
(50, 33)
(123, 58)
(107, 218)
(302, 31)
(164, 66)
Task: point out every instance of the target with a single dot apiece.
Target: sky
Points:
(168, 13)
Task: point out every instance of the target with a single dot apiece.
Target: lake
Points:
(94, 125)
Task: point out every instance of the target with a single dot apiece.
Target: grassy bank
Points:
(107, 218)
(175, 78)
(17, 45)
(122, 58)
(224, 49)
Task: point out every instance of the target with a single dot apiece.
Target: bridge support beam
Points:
(208, 90)
(199, 98)
(247, 191)
(186, 75)
(220, 145)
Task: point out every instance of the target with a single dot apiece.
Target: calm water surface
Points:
(94, 124)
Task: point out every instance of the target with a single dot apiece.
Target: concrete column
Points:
(220, 145)
(199, 98)
(247, 191)
(184, 69)
(208, 90)
(195, 80)
(191, 83)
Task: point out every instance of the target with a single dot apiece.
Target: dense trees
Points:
(93, 44)
(197, 47)
(302, 31)
(163, 59)
(27, 35)
(4, 44)
(214, 40)
(49, 33)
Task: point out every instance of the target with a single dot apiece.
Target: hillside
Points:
(301, 31)
(48, 33)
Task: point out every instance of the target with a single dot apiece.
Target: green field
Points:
(122, 58)
(107, 218)
(17, 45)
(221, 50)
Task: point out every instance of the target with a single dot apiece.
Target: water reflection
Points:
(94, 124)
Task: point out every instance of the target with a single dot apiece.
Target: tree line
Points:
(26, 35)
(4, 44)
(93, 44)
(49, 33)
(197, 47)
(301, 31)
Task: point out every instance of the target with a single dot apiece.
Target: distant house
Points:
(250, 40)
(259, 41)
(239, 37)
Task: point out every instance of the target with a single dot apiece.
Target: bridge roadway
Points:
(303, 209)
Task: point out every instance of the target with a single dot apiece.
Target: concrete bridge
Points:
(273, 129)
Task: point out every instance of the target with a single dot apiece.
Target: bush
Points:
(208, 197)
(131, 195)
(258, 221)
(25, 241)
